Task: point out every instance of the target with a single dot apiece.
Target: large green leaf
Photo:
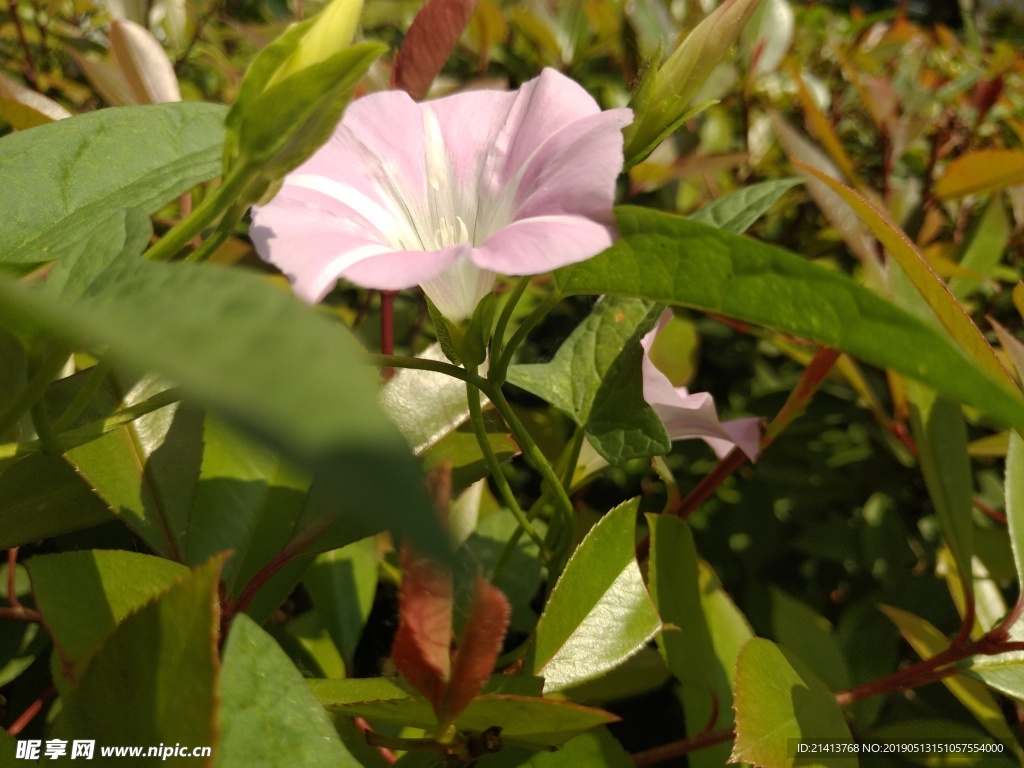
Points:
(265, 363)
(778, 699)
(154, 680)
(669, 259)
(595, 379)
(63, 178)
(146, 471)
(84, 595)
(525, 720)
(41, 496)
(599, 612)
(268, 716)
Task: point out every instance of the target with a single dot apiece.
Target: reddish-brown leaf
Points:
(422, 648)
(478, 649)
(432, 36)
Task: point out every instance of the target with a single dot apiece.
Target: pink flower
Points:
(685, 415)
(446, 194)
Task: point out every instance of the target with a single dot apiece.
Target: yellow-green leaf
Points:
(985, 170)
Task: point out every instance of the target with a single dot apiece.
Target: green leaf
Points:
(927, 641)
(342, 585)
(736, 211)
(778, 699)
(154, 680)
(809, 635)
(985, 247)
(41, 496)
(525, 721)
(146, 471)
(665, 258)
(599, 613)
(62, 178)
(943, 303)
(1015, 501)
(461, 451)
(266, 364)
(268, 715)
(596, 748)
(595, 379)
(923, 731)
(84, 595)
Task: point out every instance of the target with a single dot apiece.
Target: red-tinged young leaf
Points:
(943, 303)
(431, 38)
(1011, 346)
(478, 649)
(422, 648)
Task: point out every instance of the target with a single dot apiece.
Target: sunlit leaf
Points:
(980, 171)
(736, 211)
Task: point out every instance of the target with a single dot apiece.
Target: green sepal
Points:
(478, 333)
(449, 335)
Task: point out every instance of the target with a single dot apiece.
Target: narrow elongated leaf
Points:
(84, 595)
(24, 108)
(41, 496)
(267, 709)
(599, 612)
(984, 170)
(927, 641)
(778, 699)
(144, 63)
(429, 42)
(267, 364)
(672, 260)
(736, 211)
(941, 437)
(985, 248)
(1014, 484)
(952, 316)
(595, 379)
(811, 638)
(61, 178)
(140, 691)
(342, 584)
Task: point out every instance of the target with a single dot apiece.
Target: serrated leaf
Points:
(53, 193)
(984, 170)
(595, 379)
(140, 691)
(433, 34)
(84, 595)
(267, 365)
(736, 211)
(599, 612)
(672, 260)
(777, 699)
(267, 710)
(927, 640)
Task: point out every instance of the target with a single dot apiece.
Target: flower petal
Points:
(395, 270)
(532, 246)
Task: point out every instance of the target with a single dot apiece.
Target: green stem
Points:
(537, 459)
(215, 240)
(499, 369)
(96, 377)
(494, 467)
(44, 428)
(436, 366)
(44, 375)
(498, 338)
(204, 214)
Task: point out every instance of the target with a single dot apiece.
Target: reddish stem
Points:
(30, 64)
(702, 740)
(986, 510)
(21, 614)
(33, 709)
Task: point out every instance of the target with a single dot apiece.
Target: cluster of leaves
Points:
(207, 496)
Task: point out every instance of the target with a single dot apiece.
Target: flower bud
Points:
(331, 32)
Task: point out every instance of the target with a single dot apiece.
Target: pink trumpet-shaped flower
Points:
(685, 415)
(446, 194)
